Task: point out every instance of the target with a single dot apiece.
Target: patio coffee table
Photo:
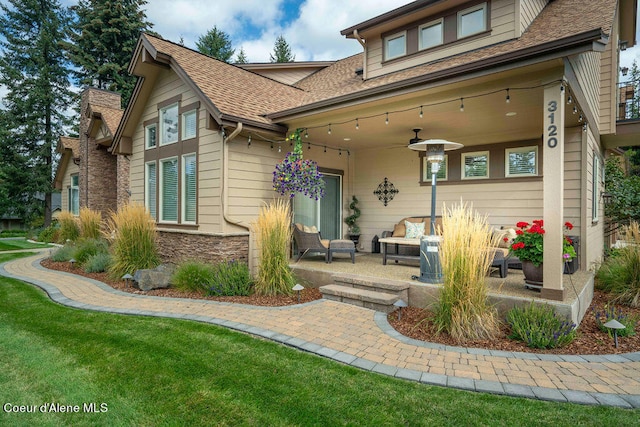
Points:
(398, 241)
(342, 246)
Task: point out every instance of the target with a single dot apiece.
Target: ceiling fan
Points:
(416, 138)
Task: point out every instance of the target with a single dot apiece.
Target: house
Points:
(87, 172)
(528, 87)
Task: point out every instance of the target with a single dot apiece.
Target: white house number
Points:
(552, 130)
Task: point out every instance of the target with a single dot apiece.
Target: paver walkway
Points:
(362, 338)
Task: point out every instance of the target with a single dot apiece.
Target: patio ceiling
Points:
(487, 117)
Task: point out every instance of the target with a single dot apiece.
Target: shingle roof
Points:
(69, 143)
(234, 91)
(110, 116)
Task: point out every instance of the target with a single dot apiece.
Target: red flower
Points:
(519, 232)
(538, 222)
(522, 224)
(516, 246)
(569, 241)
(568, 225)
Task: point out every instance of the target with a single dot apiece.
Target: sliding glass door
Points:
(326, 213)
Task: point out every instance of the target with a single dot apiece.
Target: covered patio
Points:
(503, 292)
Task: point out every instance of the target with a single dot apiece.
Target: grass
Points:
(153, 371)
(90, 223)
(18, 244)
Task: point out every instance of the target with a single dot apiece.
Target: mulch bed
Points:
(414, 321)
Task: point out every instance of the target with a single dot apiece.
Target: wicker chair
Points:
(309, 242)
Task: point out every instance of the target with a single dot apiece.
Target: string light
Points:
(279, 148)
(462, 104)
(569, 99)
(575, 110)
(580, 118)
(329, 131)
(508, 100)
(386, 120)
(357, 125)
(309, 146)
(421, 112)
(249, 141)
(272, 145)
(306, 133)
(340, 151)
(584, 127)
(325, 148)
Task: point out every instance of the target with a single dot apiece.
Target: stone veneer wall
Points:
(175, 247)
(123, 192)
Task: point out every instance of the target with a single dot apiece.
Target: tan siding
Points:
(502, 28)
(608, 86)
(594, 232)
(587, 70)
(573, 178)
(71, 169)
(288, 77)
(529, 9)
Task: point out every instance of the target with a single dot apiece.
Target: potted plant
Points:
(528, 247)
(296, 175)
(351, 221)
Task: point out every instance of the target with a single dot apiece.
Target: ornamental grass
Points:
(132, 232)
(69, 229)
(463, 309)
(273, 235)
(90, 223)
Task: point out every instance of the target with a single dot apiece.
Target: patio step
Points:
(374, 293)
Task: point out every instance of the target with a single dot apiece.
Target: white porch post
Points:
(553, 188)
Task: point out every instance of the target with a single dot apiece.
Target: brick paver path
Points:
(363, 338)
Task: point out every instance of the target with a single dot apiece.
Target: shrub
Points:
(620, 273)
(193, 276)
(230, 279)
(97, 263)
(49, 234)
(273, 236)
(90, 221)
(69, 230)
(64, 253)
(86, 248)
(462, 309)
(539, 327)
(133, 234)
(610, 313)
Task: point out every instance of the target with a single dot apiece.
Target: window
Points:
(521, 161)
(442, 174)
(189, 188)
(475, 165)
(431, 35)
(595, 189)
(74, 195)
(395, 45)
(169, 124)
(189, 124)
(150, 135)
(472, 21)
(169, 190)
(151, 188)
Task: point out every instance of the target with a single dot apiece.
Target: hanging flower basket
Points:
(296, 175)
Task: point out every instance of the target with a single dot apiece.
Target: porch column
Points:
(553, 188)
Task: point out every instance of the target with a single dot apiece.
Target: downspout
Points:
(363, 43)
(224, 196)
(360, 39)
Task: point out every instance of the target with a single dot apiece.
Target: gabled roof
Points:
(69, 143)
(109, 116)
(577, 25)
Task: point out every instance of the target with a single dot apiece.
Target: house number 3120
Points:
(552, 130)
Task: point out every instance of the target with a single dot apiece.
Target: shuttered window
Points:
(189, 124)
(189, 188)
(169, 190)
(475, 165)
(151, 188)
(521, 161)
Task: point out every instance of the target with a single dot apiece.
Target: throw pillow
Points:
(414, 229)
(398, 230)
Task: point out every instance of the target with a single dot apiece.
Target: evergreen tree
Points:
(34, 70)
(104, 34)
(282, 51)
(241, 58)
(216, 43)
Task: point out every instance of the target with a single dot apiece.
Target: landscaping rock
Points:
(157, 278)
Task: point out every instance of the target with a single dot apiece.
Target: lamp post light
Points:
(430, 271)
(298, 287)
(400, 304)
(616, 326)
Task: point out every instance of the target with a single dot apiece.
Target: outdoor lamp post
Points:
(430, 271)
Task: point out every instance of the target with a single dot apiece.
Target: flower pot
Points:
(355, 238)
(532, 275)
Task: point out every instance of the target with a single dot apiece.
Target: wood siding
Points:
(587, 70)
(502, 26)
(594, 232)
(529, 10)
(608, 103)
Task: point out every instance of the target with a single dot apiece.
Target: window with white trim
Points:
(443, 172)
(189, 188)
(595, 189)
(189, 124)
(395, 45)
(151, 188)
(169, 124)
(430, 34)
(472, 20)
(521, 161)
(151, 135)
(74, 195)
(475, 165)
(169, 190)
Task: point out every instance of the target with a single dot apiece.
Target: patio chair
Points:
(309, 241)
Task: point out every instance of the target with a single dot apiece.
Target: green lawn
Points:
(149, 371)
(17, 244)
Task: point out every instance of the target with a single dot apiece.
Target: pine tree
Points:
(282, 51)
(216, 43)
(34, 71)
(104, 34)
(241, 58)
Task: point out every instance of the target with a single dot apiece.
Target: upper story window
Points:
(74, 195)
(395, 45)
(430, 34)
(151, 135)
(169, 124)
(472, 20)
